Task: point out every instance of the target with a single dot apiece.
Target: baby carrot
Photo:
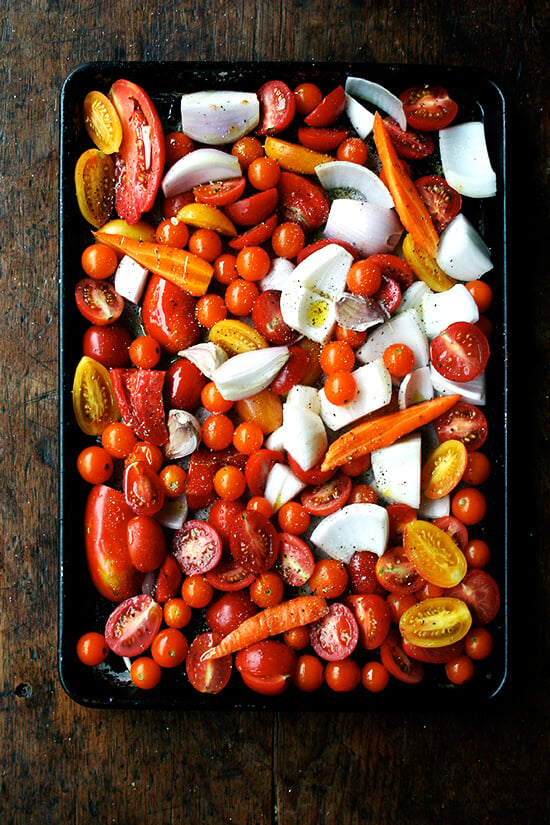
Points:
(180, 267)
(269, 622)
(410, 207)
(381, 432)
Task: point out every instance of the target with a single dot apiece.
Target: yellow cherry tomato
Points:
(102, 122)
(434, 554)
(94, 400)
(95, 186)
(436, 622)
(444, 468)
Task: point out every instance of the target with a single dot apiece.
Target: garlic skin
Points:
(206, 357)
(184, 434)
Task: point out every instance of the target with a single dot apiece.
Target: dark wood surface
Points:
(61, 763)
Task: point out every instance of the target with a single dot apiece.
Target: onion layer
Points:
(219, 117)
(368, 227)
(465, 160)
(379, 96)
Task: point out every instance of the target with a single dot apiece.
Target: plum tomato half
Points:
(132, 625)
(210, 676)
(253, 541)
(98, 301)
(277, 107)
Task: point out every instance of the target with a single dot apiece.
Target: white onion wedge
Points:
(353, 529)
(130, 279)
(198, 167)
(218, 117)
(374, 389)
(359, 116)
(368, 227)
(405, 328)
(281, 486)
(378, 96)
(462, 252)
(302, 395)
(304, 435)
(324, 271)
(347, 176)
(465, 160)
(472, 391)
(396, 470)
(308, 312)
(248, 373)
(413, 296)
(414, 388)
(440, 309)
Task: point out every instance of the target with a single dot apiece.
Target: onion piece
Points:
(347, 176)
(465, 160)
(304, 435)
(219, 117)
(359, 116)
(462, 252)
(441, 309)
(206, 356)
(396, 470)
(278, 276)
(359, 312)
(197, 167)
(354, 528)
(473, 391)
(368, 227)
(379, 96)
(247, 373)
(174, 512)
(405, 328)
(415, 387)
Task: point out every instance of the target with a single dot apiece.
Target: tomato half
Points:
(321, 139)
(102, 122)
(394, 267)
(442, 201)
(98, 301)
(329, 109)
(302, 201)
(434, 554)
(258, 467)
(268, 320)
(396, 572)
(335, 636)
(209, 676)
(328, 497)
(295, 562)
(221, 192)
(443, 468)
(389, 294)
(428, 108)
(373, 618)
(267, 667)
(481, 593)
(139, 163)
(133, 625)
(229, 575)
(455, 529)
(460, 353)
(196, 547)
(142, 488)
(139, 395)
(254, 208)
(436, 622)
(94, 401)
(95, 186)
(253, 541)
(169, 315)
(465, 422)
(408, 143)
(277, 107)
(398, 663)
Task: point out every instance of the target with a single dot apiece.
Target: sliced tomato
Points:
(389, 294)
(209, 676)
(444, 468)
(169, 315)
(292, 372)
(433, 655)
(481, 593)
(329, 109)
(268, 320)
(142, 488)
(139, 163)
(277, 107)
(399, 515)
(133, 625)
(197, 547)
(257, 469)
(428, 108)
(398, 663)
(460, 353)
(105, 519)
(139, 395)
(436, 622)
(229, 611)
(253, 541)
(394, 267)
(253, 209)
(267, 667)
(434, 554)
(373, 618)
(321, 139)
(295, 561)
(442, 201)
(302, 201)
(362, 572)
(257, 235)
(408, 143)
(314, 476)
(229, 575)
(336, 635)
(94, 401)
(220, 192)
(98, 301)
(396, 572)
(463, 421)
(167, 582)
(94, 177)
(328, 497)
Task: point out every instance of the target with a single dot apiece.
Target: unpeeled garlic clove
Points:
(184, 434)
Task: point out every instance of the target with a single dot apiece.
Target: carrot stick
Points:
(384, 431)
(269, 622)
(181, 268)
(409, 205)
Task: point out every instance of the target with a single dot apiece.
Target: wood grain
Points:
(64, 764)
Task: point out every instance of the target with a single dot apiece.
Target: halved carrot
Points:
(385, 430)
(409, 205)
(180, 267)
(270, 622)
(292, 157)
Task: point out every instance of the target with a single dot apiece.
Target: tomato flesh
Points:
(428, 108)
(133, 625)
(460, 353)
(197, 547)
(335, 636)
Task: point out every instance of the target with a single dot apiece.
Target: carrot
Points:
(269, 622)
(385, 430)
(180, 267)
(409, 205)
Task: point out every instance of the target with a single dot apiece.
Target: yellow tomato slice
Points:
(425, 267)
(235, 336)
(434, 554)
(265, 408)
(294, 157)
(207, 217)
(95, 186)
(436, 622)
(140, 231)
(102, 122)
(444, 468)
(94, 400)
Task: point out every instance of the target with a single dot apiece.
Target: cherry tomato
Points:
(221, 516)
(314, 476)
(394, 267)
(295, 560)
(442, 201)
(428, 108)
(99, 261)
(240, 296)
(206, 243)
(436, 622)
(183, 385)
(297, 637)
(108, 344)
(145, 673)
(478, 469)
(94, 464)
(217, 431)
(264, 173)
(196, 590)
(434, 554)
(479, 590)
(266, 667)
(92, 648)
(132, 625)
(201, 471)
(150, 453)
(460, 353)
(169, 315)
(343, 676)
(362, 572)
(168, 580)
(373, 618)
(337, 356)
(254, 208)
(229, 575)
(169, 647)
(229, 482)
(267, 590)
(210, 309)
(302, 201)
(253, 263)
(253, 541)
(455, 529)
(396, 572)
(142, 488)
(389, 294)
(293, 371)
(465, 422)
(177, 145)
(329, 109)
(399, 360)
(221, 192)
(98, 301)
(340, 388)
(176, 613)
(398, 603)
(102, 122)
(118, 439)
(209, 676)
(396, 661)
(225, 268)
(277, 107)
(146, 543)
(307, 96)
(144, 352)
(374, 677)
(287, 240)
(173, 478)
(95, 186)
(261, 504)
(268, 320)
(478, 553)
(326, 498)
(247, 149)
(460, 670)
(172, 232)
(258, 467)
(362, 494)
(443, 469)
(353, 150)
(433, 655)
(309, 673)
(248, 437)
(482, 294)
(229, 611)
(364, 277)
(399, 515)
(469, 505)
(329, 578)
(478, 643)
(293, 518)
(196, 547)
(335, 636)
(409, 144)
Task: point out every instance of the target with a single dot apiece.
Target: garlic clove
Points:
(206, 357)
(184, 434)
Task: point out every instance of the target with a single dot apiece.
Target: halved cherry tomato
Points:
(256, 235)
(329, 109)
(221, 516)
(139, 163)
(142, 488)
(443, 202)
(433, 655)
(295, 560)
(393, 267)
(95, 186)
(94, 401)
(315, 245)
(434, 554)
(169, 315)
(102, 122)
(396, 572)
(373, 618)
(436, 622)
(460, 353)
(302, 201)
(221, 192)
(328, 497)
(196, 547)
(277, 107)
(321, 139)
(409, 144)
(132, 625)
(253, 209)
(268, 320)
(209, 676)
(229, 575)
(396, 661)
(253, 541)
(98, 301)
(465, 422)
(389, 294)
(481, 593)
(444, 468)
(167, 583)
(314, 476)
(335, 636)
(226, 613)
(455, 529)
(428, 108)
(266, 667)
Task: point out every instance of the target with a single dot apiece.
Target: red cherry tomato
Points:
(396, 573)
(373, 618)
(183, 385)
(168, 580)
(266, 667)
(295, 562)
(258, 467)
(98, 301)
(302, 201)
(396, 661)
(428, 108)
(268, 320)
(292, 372)
(253, 541)
(146, 543)
(335, 636)
(442, 201)
(460, 353)
(481, 593)
(229, 575)
(221, 192)
(362, 572)
(142, 488)
(409, 144)
(328, 497)
(214, 674)
(196, 547)
(329, 109)
(132, 625)
(107, 344)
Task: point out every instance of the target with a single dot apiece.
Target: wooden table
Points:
(61, 763)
